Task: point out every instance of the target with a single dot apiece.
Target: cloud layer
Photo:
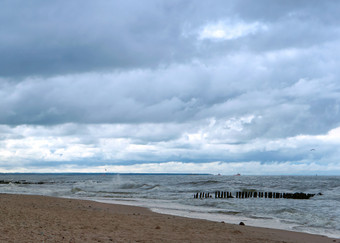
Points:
(87, 84)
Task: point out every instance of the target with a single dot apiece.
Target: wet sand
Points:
(25, 218)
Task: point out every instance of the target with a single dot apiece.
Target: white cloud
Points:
(228, 30)
(237, 124)
(116, 145)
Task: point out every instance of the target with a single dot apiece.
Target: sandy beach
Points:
(26, 218)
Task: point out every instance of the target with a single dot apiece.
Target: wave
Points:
(199, 183)
(248, 190)
(76, 190)
(285, 210)
(130, 185)
(226, 212)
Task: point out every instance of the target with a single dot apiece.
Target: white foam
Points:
(189, 211)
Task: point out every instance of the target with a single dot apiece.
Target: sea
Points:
(174, 194)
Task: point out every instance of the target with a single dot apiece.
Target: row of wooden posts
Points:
(251, 194)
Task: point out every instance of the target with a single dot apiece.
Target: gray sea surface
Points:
(174, 194)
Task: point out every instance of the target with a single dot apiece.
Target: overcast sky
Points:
(228, 87)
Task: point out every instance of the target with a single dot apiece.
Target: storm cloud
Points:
(89, 84)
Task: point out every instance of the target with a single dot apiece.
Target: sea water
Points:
(174, 194)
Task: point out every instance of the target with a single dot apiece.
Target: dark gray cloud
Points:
(41, 38)
(48, 38)
(273, 11)
(279, 89)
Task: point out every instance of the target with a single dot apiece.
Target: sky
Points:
(157, 86)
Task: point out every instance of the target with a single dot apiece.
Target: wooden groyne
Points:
(22, 182)
(254, 194)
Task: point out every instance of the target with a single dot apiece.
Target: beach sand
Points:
(26, 218)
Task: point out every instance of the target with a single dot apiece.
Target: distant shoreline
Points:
(116, 173)
(100, 173)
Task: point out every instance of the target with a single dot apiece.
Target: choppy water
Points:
(173, 194)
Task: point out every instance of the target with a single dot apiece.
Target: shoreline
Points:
(31, 218)
(215, 217)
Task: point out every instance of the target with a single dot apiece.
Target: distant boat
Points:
(238, 174)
